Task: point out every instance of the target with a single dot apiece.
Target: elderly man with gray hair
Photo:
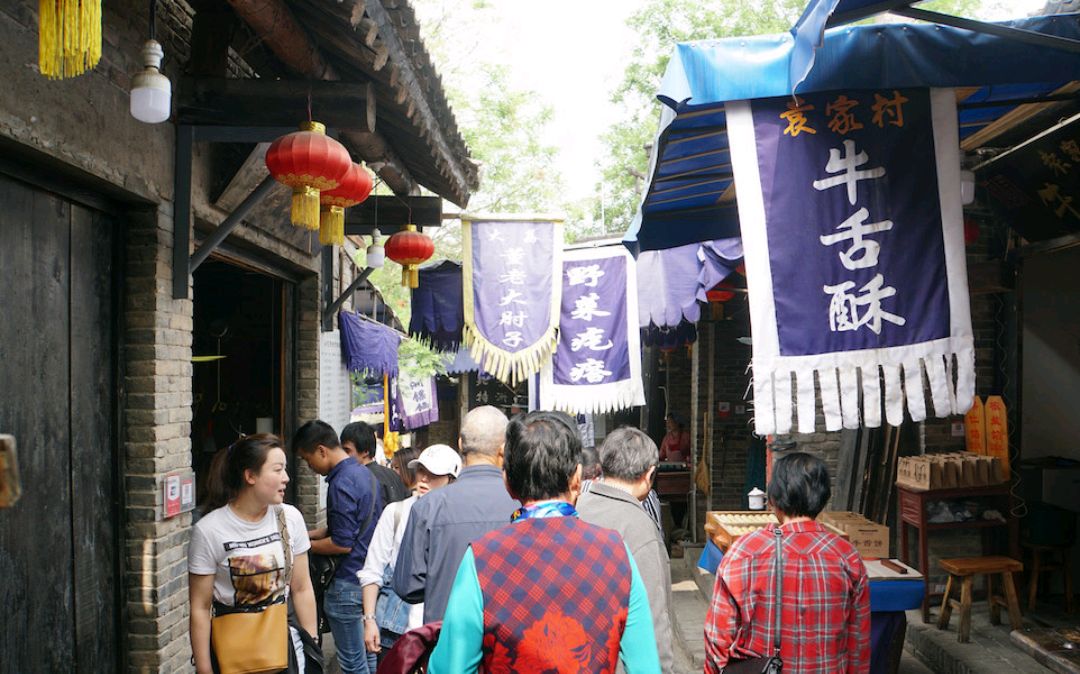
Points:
(443, 523)
(628, 459)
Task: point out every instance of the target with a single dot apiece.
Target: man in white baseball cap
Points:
(436, 466)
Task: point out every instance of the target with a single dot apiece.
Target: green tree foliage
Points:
(660, 25)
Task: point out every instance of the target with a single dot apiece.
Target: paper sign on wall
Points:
(997, 431)
(975, 427)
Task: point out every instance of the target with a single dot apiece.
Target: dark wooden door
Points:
(59, 586)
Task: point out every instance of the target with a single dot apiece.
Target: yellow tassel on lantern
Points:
(332, 226)
(305, 207)
(69, 37)
(410, 275)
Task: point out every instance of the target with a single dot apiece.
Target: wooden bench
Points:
(964, 570)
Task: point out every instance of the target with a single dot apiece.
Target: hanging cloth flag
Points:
(368, 347)
(416, 401)
(437, 313)
(597, 364)
(511, 294)
(849, 204)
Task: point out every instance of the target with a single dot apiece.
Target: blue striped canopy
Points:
(690, 196)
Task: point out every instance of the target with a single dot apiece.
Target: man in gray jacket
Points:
(444, 522)
(628, 459)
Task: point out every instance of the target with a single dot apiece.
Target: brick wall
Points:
(157, 410)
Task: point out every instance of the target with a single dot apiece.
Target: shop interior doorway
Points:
(240, 361)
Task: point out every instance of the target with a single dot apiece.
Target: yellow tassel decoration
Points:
(305, 207)
(69, 37)
(332, 226)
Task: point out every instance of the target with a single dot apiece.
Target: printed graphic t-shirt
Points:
(246, 558)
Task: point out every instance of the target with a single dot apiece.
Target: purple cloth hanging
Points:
(664, 337)
(368, 346)
(438, 308)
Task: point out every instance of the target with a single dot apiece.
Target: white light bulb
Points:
(967, 187)
(151, 92)
(376, 254)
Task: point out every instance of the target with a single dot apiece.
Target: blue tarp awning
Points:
(691, 196)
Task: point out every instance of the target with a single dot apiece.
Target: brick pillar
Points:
(308, 334)
(157, 409)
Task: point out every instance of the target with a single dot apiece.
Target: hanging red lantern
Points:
(308, 161)
(719, 294)
(354, 189)
(410, 248)
(971, 231)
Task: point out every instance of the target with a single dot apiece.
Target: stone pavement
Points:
(927, 651)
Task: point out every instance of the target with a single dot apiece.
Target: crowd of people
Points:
(514, 552)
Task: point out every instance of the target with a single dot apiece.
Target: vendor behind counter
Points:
(675, 447)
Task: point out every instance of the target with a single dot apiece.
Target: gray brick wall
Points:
(157, 409)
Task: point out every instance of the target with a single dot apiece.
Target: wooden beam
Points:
(252, 172)
(267, 102)
(1013, 118)
(392, 213)
(212, 32)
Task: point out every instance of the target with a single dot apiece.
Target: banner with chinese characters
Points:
(597, 364)
(1035, 186)
(511, 294)
(849, 204)
(416, 401)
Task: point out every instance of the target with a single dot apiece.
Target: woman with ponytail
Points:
(249, 551)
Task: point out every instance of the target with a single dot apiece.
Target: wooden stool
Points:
(963, 570)
(1041, 565)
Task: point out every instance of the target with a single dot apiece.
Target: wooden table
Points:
(912, 504)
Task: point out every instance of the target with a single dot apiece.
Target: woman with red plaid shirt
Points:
(825, 600)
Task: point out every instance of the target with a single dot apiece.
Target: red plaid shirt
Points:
(825, 621)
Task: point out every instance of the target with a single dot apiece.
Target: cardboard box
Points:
(869, 538)
(949, 471)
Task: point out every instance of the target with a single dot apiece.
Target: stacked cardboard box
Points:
(949, 471)
(869, 538)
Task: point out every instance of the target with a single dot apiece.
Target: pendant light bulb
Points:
(151, 92)
(376, 254)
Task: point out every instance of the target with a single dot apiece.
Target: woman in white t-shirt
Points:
(237, 555)
(437, 466)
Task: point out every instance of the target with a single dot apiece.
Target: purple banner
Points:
(596, 367)
(850, 188)
(509, 288)
(592, 328)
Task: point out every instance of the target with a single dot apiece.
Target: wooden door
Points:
(59, 576)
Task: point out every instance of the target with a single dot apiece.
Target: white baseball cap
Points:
(439, 460)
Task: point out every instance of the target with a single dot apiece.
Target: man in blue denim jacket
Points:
(352, 511)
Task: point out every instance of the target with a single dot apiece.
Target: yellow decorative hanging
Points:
(69, 37)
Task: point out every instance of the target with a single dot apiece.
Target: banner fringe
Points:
(950, 380)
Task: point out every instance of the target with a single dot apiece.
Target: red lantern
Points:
(971, 231)
(719, 294)
(354, 188)
(409, 249)
(307, 161)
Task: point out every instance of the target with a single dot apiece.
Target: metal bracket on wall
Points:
(332, 309)
(186, 136)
